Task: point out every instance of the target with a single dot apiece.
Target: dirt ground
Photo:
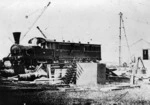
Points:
(128, 96)
(80, 96)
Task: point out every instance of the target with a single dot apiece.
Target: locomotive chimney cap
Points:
(16, 37)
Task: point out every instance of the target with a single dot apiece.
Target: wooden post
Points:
(49, 71)
(101, 73)
(132, 78)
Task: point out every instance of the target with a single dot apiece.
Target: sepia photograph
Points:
(74, 52)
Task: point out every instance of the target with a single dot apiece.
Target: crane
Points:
(36, 20)
(135, 69)
(41, 32)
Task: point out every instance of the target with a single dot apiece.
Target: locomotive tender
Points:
(41, 50)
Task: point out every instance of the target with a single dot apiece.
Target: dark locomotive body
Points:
(66, 51)
(52, 51)
(46, 51)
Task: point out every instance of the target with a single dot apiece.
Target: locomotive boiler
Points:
(42, 50)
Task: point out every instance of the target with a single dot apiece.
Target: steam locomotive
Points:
(41, 50)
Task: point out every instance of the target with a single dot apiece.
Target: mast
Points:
(120, 39)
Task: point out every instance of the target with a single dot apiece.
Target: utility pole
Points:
(120, 39)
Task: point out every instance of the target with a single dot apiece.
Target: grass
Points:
(87, 96)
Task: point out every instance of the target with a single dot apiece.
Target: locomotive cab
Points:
(38, 41)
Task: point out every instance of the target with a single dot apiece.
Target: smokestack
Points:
(17, 37)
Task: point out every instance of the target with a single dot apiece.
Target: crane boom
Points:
(36, 20)
(41, 32)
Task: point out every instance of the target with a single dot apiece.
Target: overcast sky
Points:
(96, 21)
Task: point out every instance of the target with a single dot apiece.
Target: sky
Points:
(94, 21)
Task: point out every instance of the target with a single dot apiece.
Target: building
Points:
(141, 48)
